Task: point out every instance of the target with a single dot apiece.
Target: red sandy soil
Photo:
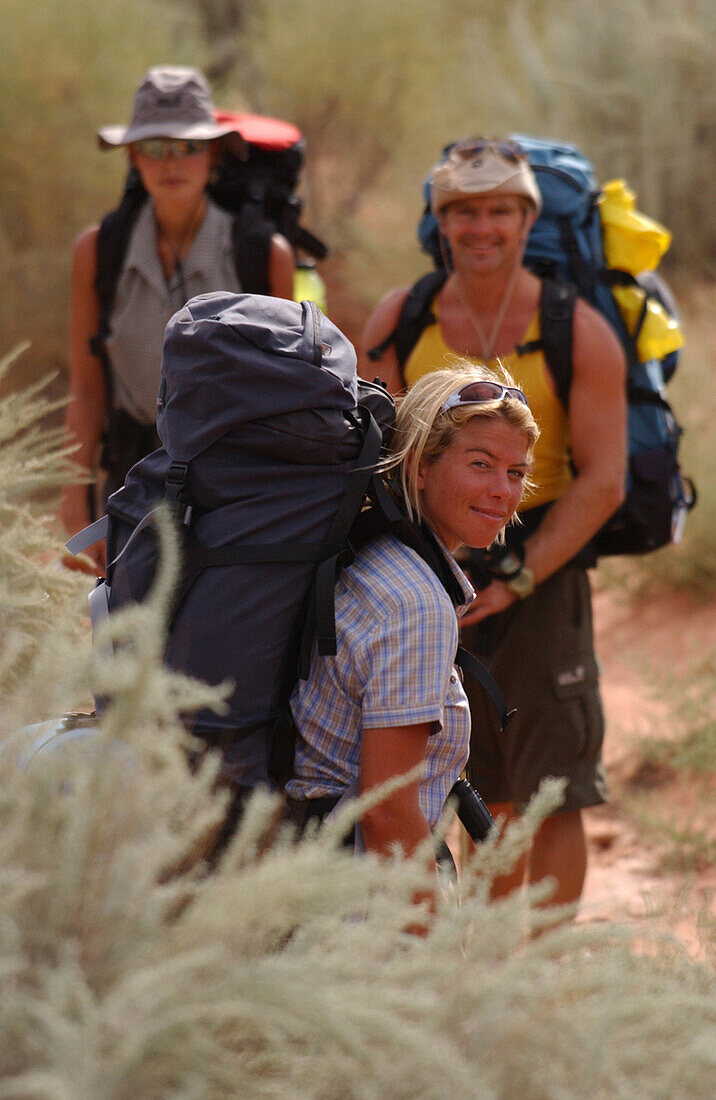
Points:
(654, 642)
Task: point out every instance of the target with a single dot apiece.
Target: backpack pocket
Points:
(656, 497)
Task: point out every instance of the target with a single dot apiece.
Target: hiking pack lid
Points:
(233, 358)
(259, 130)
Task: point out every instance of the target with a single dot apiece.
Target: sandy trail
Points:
(625, 879)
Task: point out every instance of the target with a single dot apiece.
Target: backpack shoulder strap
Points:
(112, 242)
(557, 301)
(252, 234)
(415, 316)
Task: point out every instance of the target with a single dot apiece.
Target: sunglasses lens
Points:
(159, 148)
(511, 151)
(480, 392)
(150, 147)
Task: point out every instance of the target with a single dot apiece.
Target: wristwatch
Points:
(501, 563)
(522, 584)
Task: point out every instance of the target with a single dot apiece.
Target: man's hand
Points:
(496, 597)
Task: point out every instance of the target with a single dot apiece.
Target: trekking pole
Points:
(472, 811)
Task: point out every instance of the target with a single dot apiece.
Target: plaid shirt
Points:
(397, 635)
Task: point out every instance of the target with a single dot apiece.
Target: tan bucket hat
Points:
(172, 102)
(477, 167)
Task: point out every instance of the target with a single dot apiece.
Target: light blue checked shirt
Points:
(397, 634)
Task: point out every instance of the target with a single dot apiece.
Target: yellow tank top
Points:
(551, 472)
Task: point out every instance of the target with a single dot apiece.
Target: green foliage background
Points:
(66, 68)
(377, 88)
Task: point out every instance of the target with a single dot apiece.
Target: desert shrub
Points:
(129, 971)
(37, 597)
(55, 181)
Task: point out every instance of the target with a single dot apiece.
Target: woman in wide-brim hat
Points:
(181, 244)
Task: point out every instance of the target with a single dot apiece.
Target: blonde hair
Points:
(423, 432)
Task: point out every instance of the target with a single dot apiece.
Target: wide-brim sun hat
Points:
(479, 167)
(171, 102)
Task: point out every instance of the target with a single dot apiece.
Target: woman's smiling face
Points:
(471, 490)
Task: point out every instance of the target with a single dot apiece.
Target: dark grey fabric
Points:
(230, 360)
(255, 396)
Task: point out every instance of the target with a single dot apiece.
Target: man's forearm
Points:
(571, 522)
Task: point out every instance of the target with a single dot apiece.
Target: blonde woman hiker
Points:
(391, 699)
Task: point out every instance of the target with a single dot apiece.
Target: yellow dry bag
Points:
(635, 243)
(308, 286)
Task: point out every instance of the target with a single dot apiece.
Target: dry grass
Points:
(284, 972)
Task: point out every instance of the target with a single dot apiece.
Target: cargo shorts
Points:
(541, 652)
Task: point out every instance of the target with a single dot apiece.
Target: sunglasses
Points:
(510, 151)
(160, 148)
(481, 393)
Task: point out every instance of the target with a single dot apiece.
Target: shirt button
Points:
(453, 679)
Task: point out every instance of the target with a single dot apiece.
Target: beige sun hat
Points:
(477, 167)
(171, 102)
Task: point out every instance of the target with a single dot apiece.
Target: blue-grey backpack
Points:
(269, 448)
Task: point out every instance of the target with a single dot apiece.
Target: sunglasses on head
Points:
(511, 151)
(160, 147)
(481, 393)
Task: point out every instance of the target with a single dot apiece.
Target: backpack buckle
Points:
(175, 492)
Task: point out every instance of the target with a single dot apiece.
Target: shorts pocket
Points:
(575, 676)
(580, 718)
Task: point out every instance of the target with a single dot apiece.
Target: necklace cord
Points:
(487, 345)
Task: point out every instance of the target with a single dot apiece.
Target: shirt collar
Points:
(210, 239)
(467, 590)
(142, 255)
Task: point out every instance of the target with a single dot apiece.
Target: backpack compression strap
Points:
(415, 316)
(320, 617)
(88, 535)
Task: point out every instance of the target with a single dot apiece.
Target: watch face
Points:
(510, 565)
(523, 584)
(507, 565)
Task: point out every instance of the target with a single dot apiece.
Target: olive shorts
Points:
(541, 652)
